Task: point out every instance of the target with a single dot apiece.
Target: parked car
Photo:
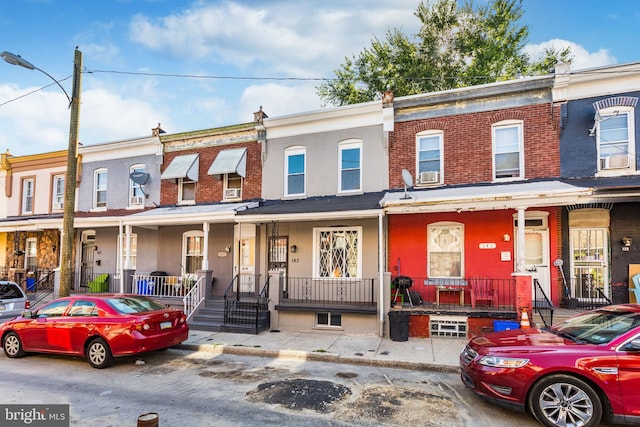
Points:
(98, 327)
(13, 300)
(572, 374)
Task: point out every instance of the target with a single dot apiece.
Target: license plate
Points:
(165, 325)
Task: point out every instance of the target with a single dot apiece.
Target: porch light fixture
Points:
(66, 255)
(626, 242)
(294, 248)
(506, 237)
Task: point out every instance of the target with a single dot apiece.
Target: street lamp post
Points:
(66, 259)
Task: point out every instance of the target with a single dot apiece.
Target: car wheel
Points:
(99, 354)
(12, 345)
(563, 400)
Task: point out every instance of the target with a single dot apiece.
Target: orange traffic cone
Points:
(524, 319)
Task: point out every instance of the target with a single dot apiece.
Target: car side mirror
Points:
(635, 345)
(27, 314)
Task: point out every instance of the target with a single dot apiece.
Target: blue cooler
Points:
(504, 325)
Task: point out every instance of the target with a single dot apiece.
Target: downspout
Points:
(381, 272)
(121, 272)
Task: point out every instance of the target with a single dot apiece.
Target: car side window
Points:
(83, 309)
(54, 309)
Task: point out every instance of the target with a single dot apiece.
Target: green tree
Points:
(458, 45)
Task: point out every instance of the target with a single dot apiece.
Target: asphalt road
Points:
(204, 389)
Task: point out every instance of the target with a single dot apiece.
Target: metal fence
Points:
(328, 291)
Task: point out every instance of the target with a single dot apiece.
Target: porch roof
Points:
(194, 214)
(486, 196)
(315, 208)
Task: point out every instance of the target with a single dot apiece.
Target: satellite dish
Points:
(408, 181)
(139, 178)
(407, 178)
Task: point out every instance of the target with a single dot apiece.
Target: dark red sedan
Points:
(98, 327)
(573, 374)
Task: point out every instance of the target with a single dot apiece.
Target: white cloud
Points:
(582, 58)
(276, 100)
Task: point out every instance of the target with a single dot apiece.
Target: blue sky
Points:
(126, 43)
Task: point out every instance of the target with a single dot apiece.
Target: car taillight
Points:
(27, 304)
(144, 326)
(183, 319)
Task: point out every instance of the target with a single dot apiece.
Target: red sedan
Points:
(573, 374)
(98, 327)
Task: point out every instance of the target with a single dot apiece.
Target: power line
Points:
(33, 91)
(201, 76)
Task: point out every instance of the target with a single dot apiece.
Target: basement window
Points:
(329, 319)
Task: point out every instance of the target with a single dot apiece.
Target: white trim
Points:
(428, 134)
(94, 203)
(290, 152)
(505, 124)
(349, 144)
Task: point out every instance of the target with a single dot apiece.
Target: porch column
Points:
(205, 252)
(521, 262)
(119, 255)
(381, 269)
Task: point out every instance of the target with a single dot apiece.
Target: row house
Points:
(600, 150)
(31, 222)
(320, 223)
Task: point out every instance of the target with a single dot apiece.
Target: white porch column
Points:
(119, 255)
(205, 251)
(521, 262)
(381, 268)
(127, 247)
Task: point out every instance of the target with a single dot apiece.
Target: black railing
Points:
(328, 291)
(476, 293)
(584, 295)
(253, 311)
(542, 304)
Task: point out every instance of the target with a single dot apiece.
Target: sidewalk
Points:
(438, 354)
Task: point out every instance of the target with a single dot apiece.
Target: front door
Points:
(247, 265)
(589, 270)
(536, 258)
(87, 261)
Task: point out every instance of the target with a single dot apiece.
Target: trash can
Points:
(399, 325)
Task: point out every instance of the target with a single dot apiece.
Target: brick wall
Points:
(468, 144)
(209, 188)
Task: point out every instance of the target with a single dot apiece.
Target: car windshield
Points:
(9, 290)
(127, 305)
(598, 327)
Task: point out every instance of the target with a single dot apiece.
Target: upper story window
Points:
(232, 186)
(136, 189)
(186, 191)
(508, 152)
(57, 197)
(350, 159)
(295, 168)
(445, 250)
(100, 189)
(429, 157)
(28, 190)
(338, 252)
(615, 139)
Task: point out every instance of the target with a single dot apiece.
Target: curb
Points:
(316, 357)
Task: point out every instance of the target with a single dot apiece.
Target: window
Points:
(507, 150)
(615, 139)
(445, 249)
(329, 319)
(350, 159)
(232, 186)
(133, 251)
(30, 260)
(136, 190)
(186, 191)
(429, 157)
(339, 253)
(100, 188)
(192, 251)
(27, 195)
(295, 171)
(58, 193)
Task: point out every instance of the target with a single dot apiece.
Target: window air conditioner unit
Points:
(232, 193)
(429, 177)
(615, 162)
(58, 206)
(136, 200)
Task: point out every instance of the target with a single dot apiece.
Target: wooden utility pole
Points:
(66, 260)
